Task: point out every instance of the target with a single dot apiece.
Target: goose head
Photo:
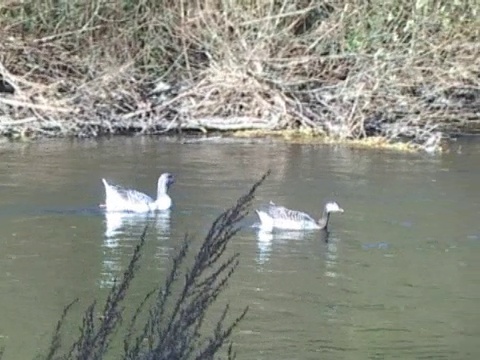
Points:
(168, 179)
(165, 181)
(332, 207)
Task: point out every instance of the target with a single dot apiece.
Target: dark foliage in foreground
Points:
(175, 311)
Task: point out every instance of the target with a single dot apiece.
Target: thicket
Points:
(346, 69)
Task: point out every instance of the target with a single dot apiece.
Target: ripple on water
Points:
(397, 278)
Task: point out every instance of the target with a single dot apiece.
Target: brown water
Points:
(399, 277)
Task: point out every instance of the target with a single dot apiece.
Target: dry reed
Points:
(347, 70)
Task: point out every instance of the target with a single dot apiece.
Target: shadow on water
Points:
(48, 211)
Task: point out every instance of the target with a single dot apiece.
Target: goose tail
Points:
(266, 222)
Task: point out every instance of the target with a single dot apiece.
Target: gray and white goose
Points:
(118, 198)
(279, 217)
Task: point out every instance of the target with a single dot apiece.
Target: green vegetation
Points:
(347, 69)
(170, 322)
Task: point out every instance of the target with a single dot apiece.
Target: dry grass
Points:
(347, 70)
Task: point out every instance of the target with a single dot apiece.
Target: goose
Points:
(118, 198)
(279, 217)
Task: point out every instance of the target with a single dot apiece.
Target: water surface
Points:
(398, 277)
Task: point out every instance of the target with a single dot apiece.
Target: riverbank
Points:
(349, 72)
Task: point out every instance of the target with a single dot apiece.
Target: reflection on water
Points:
(117, 223)
(331, 260)
(264, 243)
(121, 225)
(397, 276)
(267, 239)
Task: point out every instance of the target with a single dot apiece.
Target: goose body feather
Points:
(280, 217)
(119, 198)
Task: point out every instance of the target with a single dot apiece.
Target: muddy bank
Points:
(167, 112)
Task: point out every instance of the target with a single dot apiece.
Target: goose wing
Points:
(130, 195)
(278, 212)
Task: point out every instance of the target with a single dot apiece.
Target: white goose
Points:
(279, 217)
(118, 198)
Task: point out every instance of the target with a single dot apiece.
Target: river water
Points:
(398, 277)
